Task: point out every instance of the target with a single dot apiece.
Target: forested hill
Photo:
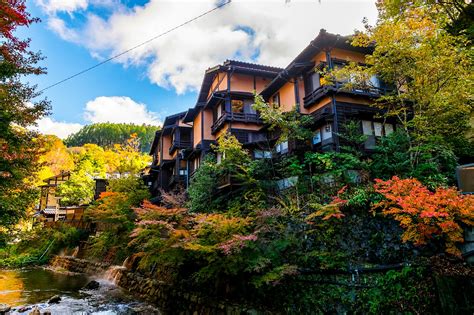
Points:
(108, 134)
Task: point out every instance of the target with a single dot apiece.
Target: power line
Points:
(137, 46)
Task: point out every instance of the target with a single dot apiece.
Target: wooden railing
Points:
(239, 117)
(340, 86)
(180, 145)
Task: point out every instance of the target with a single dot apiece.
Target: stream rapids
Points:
(25, 289)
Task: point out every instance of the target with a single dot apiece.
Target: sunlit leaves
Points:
(426, 215)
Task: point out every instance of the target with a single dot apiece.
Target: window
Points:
(317, 137)
(378, 129)
(219, 110)
(326, 132)
(374, 82)
(237, 106)
(388, 129)
(261, 154)
(367, 128)
(219, 158)
(248, 107)
(183, 172)
(282, 147)
(276, 100)
(315, 80)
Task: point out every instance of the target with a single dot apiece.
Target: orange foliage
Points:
(425, 215)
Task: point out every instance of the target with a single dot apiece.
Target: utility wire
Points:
(137, 46)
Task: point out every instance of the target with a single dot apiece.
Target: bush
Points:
(38, 245)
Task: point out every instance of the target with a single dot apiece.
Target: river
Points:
(28, 288)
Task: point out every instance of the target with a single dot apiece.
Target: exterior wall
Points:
(353, 99)
(240, 125)
(301, 93)
(166, 147)
(219, 83)
(323, 101)
(237, 125)
(208, 119)
(247, 83)
(241, 83)
(197, 123)
(261, 83)
(287, 97)
(337, 53)
(320, 57)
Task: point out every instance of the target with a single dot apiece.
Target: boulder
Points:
(35, 311)
(93, 285)
(23, 309)
(55, 299)
(46, 313)
(4, 309)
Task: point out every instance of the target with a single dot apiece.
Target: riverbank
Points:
(24, 290)
(168, 299)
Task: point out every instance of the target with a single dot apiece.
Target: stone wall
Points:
(169, 299)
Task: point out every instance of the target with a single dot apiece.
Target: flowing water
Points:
(28, 288)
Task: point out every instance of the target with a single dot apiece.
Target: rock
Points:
(55, 299)
(4, 309)
(93, 285)
(35, 311)
(46, 313)
(23, 309)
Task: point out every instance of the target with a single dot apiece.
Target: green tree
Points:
(428, 73)
(19, 148)
(107, 135)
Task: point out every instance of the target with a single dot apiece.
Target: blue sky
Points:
(163, 77)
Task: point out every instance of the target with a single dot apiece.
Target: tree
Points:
(426, 215)
(456, 16)
(107, 135)
(55, 159)
(427, 72)
(19, 148)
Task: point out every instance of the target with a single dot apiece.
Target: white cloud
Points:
(274, 31)
(53, 6)
(114, 109)
(59, 26)
(49, 126)
(118, 109)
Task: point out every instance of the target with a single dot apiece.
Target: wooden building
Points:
(224, 105)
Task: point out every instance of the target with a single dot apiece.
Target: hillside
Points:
(108, 134)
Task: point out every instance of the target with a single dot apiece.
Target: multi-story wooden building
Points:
(225, 101)
(330, 105)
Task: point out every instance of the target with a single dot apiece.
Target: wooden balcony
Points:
(236, 117)
(321, 91)
(180, 144)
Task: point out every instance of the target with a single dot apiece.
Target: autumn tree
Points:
(55, 158)
(456, 16)
(19, 109)
(427, 73)
(92, 161)
(424, 215)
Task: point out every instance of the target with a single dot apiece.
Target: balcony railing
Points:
(339, 86)
(180, 145)
(239, 117)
